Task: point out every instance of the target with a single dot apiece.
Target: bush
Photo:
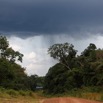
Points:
(92, 89)
(12, 92)
(22, 93)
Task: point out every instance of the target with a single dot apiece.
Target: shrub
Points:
(12, 92)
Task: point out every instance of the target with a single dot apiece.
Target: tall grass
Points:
(92, 93)
(12, 96)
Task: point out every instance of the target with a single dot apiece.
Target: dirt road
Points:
(68, 100)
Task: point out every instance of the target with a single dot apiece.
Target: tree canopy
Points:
(71, 71)
(64, 53)
(12, 75)
(7, 52)
(85, 69)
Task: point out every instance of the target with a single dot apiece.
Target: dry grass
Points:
(19, 100)
(92, 96)
(12, 96)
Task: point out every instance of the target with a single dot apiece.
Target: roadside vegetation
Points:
(12, 75)
(73, 75)
(91, 93)
(20, 96)
(15, 84)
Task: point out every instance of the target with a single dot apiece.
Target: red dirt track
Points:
(68, 100)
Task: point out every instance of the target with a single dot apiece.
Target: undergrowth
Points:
(91, 93)
(20, 96)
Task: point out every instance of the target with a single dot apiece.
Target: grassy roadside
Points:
(19, 100)
(87, 93)
(90, 93)
(12, 96)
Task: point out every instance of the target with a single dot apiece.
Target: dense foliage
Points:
(74, 71)
(71, 71)
(12, 75)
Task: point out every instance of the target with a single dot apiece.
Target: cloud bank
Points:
(36, 59)
(33, 25)
(43, 17)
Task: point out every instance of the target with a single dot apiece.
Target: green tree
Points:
(12, 75)
(12, 55)
(55, 79)
(8, 53)
(64, 53)
(40, 81)
(83, 70)
(90, 51)
(32, 80)
(59, 79)
(3, 45)
(6, 73)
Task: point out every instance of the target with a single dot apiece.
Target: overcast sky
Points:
(33, 25)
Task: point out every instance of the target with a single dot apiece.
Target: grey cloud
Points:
(33, 17)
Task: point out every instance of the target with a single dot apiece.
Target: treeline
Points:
(74, 71)
(12, 75)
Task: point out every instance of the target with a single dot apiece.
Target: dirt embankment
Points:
(68, 100)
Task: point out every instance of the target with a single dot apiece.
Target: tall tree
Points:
(89, 50)
(64, 53)
(8, 53)
(12, 75)
(3, 45)
(12, 55)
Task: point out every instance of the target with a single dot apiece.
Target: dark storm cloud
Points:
(51, 17)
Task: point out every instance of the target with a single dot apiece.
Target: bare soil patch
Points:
(68, 100)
